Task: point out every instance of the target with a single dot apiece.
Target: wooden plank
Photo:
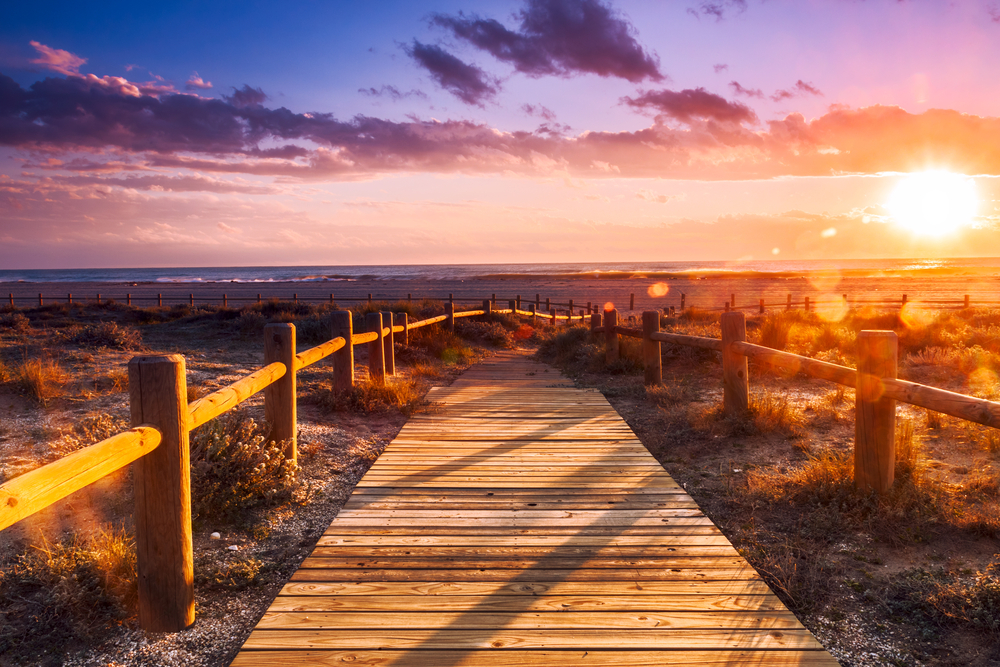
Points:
(548, 603)
(524, 620)
(535, 658)
(516, 523)
(497, 638)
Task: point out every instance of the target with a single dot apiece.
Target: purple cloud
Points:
(800, 88)
(539, 110)
(391, 92)
(687, 105)
(721, 67)
(717, 9)
(561, 37)
(746, 92)
(466, 82)
(246, 97)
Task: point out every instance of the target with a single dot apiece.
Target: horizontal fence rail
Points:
(157, 445)
(877, 387)
(157, 387)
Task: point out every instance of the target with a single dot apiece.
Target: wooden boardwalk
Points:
(519, 521)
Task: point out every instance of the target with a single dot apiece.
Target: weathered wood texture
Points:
(735, 383)
(875, 412)
(279, 396)
(518, 521)
(37, 489)
(342, 326)
(164, 547)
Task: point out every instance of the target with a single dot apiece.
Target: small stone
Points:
(216, 536)
(233, 547)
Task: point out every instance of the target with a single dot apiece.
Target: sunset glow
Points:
(469, 131)
(934, 203)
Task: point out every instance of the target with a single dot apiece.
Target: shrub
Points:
(15, 322)
(236, 468)
(57, 596)
(96, 427)
(106, 334)
(366, 396)
(774, 331)
(41, 379)
(491, 333)
(250, 323)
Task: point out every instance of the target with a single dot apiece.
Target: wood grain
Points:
(519, 521)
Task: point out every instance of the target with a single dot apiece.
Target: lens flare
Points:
(658, 289)
(609, 306)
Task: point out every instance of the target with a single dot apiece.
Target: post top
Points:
(157, 359)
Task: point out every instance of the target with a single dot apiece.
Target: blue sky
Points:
(404, 139)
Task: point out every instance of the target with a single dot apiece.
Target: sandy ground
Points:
(650, 292)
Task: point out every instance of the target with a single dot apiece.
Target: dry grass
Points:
(41, 379)
(399, 394)
(58, 595)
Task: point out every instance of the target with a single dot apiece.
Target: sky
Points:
(461, 131)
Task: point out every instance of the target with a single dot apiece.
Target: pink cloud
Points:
(197, 83)
(57, 60)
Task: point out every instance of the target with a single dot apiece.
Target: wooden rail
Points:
(162, 418)
(158, 444)
(877, 387)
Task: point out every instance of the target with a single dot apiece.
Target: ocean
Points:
(978, 266)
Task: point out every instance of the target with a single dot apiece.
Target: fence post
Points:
(762, 306)
(904, 300)
(404, 321)
(159, 299)
(807, 304)
(846, 305)
(258, 298)
(788, 304)
(343, 359)
(735, 385)
(966, 301)
(493, 298)
(570, 309)
(548, 306)
(128, 299)
(388, 344)
(683, 298)
(732, 301)
(98, 298)
(631, 301)
(651, 348)
(553, 315)
(595, 321)
(534, 314)
(610, 336)
(487, 308)
(69, 298)
(512, 305)
(449, 314)
(538, 301)
(190, 299)
(517, 302)
(162, 482)
(279, 396)
(875, 416)
(376, 352)
(40, 302)
(225, 301)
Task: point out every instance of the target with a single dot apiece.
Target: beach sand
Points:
(650, 292)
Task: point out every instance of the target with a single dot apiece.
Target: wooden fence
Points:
(877, 387)
(158, 441)
(162, 419)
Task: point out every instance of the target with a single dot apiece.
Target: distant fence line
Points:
(806, 302)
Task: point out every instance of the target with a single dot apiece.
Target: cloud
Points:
(392, 92)
(57, 60)
(562, 38)
(716, 10)
(648, 195)
(107, 125)
(197, 83)
(746, 92)
(721, 67)
(466, 82)
(689, 104)
(539, 110)
(799, 89)
(246, 97)
(228, 229)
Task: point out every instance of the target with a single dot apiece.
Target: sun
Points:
(934, 203)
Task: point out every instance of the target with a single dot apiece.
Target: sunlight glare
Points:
(934, 203)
